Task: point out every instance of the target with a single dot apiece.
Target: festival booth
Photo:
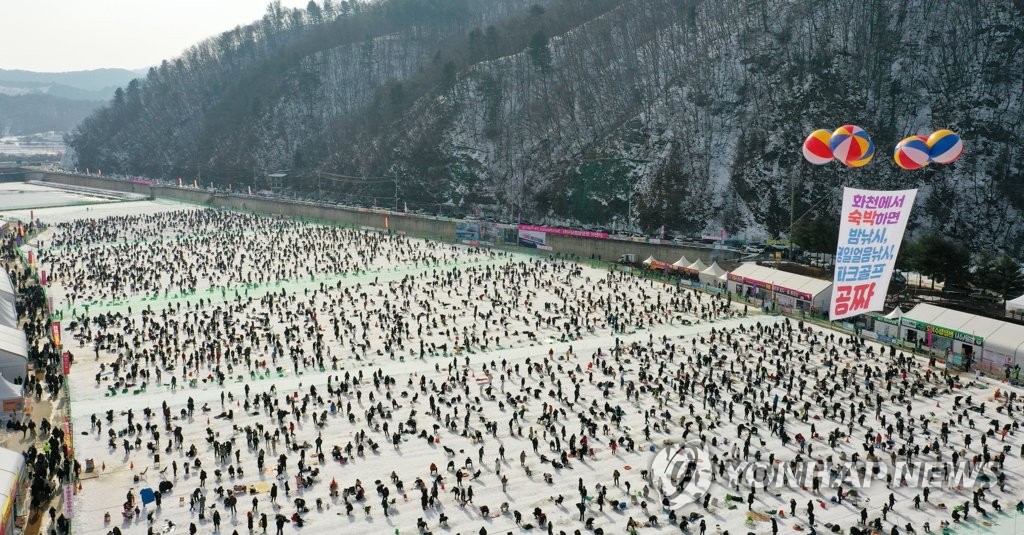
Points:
(651, 263)
(12, 499)
(12, 397)
(965, 339)
(886, 327)
(696, 267)
(712, 276)
(13, 355)
(681, 264)
(789, 290)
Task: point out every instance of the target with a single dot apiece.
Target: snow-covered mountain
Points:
(34, 102)
(686, 113)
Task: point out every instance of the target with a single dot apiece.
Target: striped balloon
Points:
(912, 153)
(851, 145)
(816, 147)
(868, 155)
(945, 147)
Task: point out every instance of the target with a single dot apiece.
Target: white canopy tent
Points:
(12, 502)
(13, 354)
(712, 275)
(896, 314)
(1015, 305)
(8, 312)
(6, 286)
(649, 260)
(683, 262)
(887, 327)
(697, 266)
(12, 396)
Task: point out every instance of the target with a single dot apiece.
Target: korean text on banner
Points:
(871, 229)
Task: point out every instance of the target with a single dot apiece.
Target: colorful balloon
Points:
(816, 147)
(912, 153)
(851, 145)
(867, 156)
(945, 147)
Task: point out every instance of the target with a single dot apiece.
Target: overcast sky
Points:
(68, 35)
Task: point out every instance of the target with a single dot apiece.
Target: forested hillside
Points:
(34, 112)
(679, 112)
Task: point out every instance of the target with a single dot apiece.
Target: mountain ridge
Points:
(629, 113)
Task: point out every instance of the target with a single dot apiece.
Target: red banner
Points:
(566, 231)
(56, 333)
(66, 358)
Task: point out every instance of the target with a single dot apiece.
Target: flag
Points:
(406, 207)
(661, 233)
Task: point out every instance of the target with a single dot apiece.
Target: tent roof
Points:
(682, 262)
(697, 266)
(9, 390)
(783, 279)
(6, 286)
(1015, 304)
(649, 259)
(12, 465)
(714, 270)
(8, 314)
(999, 336)
(13, 341)
(896, 313)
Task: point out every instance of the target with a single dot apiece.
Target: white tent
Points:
(712, 275)
(6, 286)
(13, 354)
(649, 260)
(1015, 305)
(12, 396)
(8, 312)
(697, 266)
(895, 314)
(12, 497)
(681, 263)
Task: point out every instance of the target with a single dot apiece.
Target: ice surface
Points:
(271, 301)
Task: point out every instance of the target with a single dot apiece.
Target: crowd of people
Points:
(249, 374)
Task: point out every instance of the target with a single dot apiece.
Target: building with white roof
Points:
(966, 339)
(786, 289)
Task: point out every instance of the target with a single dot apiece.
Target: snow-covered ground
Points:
(16, 197)
(281, 309)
